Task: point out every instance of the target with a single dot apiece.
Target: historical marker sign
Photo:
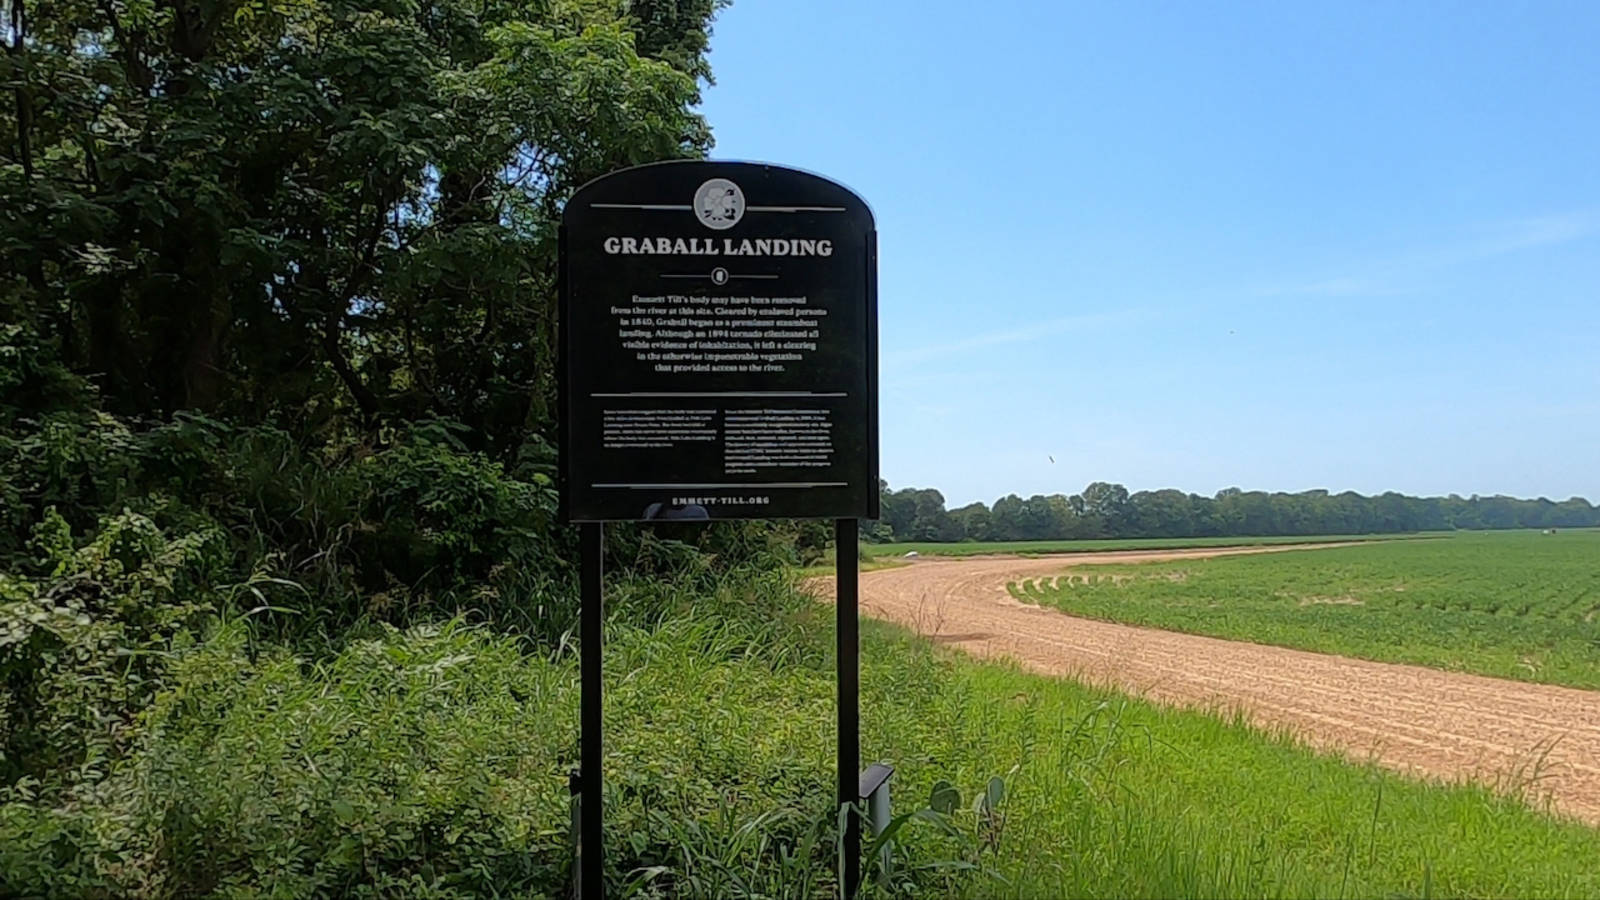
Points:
(719, 341)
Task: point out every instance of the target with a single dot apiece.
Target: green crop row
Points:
(1042, 548)
(1522, 605)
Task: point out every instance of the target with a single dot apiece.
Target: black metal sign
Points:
(719, 346)
(719, 361)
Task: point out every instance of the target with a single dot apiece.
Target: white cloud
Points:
(1019, 335)
(1343, 287)
(1522, 234)
(1404, 272)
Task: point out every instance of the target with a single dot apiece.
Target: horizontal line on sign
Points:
(708, 277)
(723, 394)
(769, 484)
(682, 206)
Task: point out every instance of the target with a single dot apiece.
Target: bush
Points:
(84, 648)
(433, 761)
(420, 764)
(235, 660)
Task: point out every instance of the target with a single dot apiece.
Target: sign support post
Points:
(591, 850)
(847, 652)
(719, 361)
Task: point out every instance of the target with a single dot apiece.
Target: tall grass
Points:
(433, 762)
(1119, 798)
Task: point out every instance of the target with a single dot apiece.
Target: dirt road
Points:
(1408, 718)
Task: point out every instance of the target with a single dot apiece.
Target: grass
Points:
(1521, 605)
(866, 565)
(828, 564)
(1116, 797)
(433, 763)
(1040, 548)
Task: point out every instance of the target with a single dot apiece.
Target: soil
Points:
(1538, 741)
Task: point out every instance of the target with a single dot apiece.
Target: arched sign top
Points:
(697, 187)
(719, 342)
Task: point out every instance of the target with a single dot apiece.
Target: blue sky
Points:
(1279, 245)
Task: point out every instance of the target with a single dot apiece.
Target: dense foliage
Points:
(276, 394)
(1106, 510)
(322, 213)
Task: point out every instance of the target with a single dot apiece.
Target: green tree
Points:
(1106, 506)
(1106, 510)
(1165, 513)
(1005, 520)
(323, 212)
(899, 512)
(1039, 519)
(973, 522)
(931, 522)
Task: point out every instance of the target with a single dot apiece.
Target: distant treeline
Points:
(1106, 510)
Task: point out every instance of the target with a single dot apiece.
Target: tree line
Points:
(1107, 510)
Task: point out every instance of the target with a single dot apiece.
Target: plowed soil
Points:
(1540, 741)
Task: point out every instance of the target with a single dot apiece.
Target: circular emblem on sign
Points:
(719, 204)
(719, 276)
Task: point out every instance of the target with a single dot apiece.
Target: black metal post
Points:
(591, 858)
(847, 650)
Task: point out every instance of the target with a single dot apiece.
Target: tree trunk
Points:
(365, 398)
(16, 51)
(202, 371)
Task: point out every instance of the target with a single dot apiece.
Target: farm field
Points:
(1520, 605)
(1407, 718)
(1037, 548)
(1124, 798)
